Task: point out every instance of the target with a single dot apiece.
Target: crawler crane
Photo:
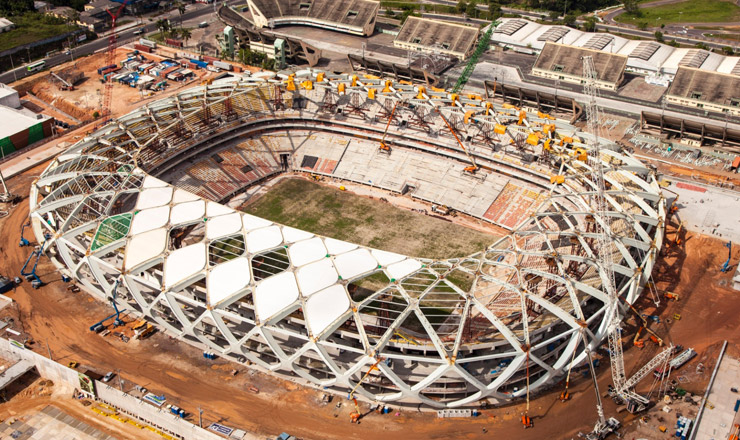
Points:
(356, 415)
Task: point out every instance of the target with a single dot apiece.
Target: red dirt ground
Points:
(53, 315)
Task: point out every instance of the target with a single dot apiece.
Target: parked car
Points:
(138, 31)
(108, 376)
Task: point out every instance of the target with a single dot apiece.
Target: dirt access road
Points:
(53, 315)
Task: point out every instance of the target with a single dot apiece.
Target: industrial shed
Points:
(435, 36)
(564, 63)
(350, 16)
(711, 91)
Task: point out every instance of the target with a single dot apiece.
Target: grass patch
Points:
(731, 37)
(32, 27)
(690, 11)
(344, 216)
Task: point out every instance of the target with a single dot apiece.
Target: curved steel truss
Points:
(450, 332)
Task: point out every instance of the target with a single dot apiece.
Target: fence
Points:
(69, 380)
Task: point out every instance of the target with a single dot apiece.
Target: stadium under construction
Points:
(136, 213)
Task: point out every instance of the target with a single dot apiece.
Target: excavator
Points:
(471, 169)
(356, 415)
(385, 148)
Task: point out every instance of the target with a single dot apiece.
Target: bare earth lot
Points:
(367, 221)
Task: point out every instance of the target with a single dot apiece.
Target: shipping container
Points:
(210, 60)
(223, 66)
(173, 42)
(143, 48)
(147, 43)
(201, 64)
(101, 69)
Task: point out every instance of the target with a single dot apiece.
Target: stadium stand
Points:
(435, 36)
(564, 63)
(704, 89)
(350, 16)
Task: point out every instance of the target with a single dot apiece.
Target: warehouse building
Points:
(434, 36)
(20, 127)
(643, 57)
(710, 91)
(565, 63)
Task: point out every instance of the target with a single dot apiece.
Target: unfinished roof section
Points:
(436, 36)
(700, 85)
(568, 60)
(351, 16)
(694, 58)
(553, 34)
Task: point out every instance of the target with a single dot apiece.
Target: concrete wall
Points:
(69, 380)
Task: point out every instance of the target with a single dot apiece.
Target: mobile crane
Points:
(385, 148)
(473, 168)
(355, 415)
(726, 267)
(622, 387)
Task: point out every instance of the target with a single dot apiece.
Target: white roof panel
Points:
(262, 239)
(336, 247)
(251, 222)
(316, 276)
(355, 263)
(152, 197)
(213, 209)
(153, 182)
(385, 258)
(405, 267)
(227, 278)
(183, 196)
(183, 263)
(306, 251)
(292, 234)
(275, 294)
(149, 219)
(223, 225)
(187, 212)
(325, 307)
(144, 247)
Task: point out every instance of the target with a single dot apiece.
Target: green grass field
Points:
(29, 28)
(690, 11)
(327, 211)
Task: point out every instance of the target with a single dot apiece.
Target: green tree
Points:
(181, 9)
(589, 25)
(461, 6)
(702, 46)
(185, 34)
(570, 20)
(642, 25)
(471, 10)
(494, 11)
(554, 15)
(631, 6)
(389, 12)
(659, 36)
(728, 50)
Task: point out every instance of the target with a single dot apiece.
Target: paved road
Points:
(196, 11)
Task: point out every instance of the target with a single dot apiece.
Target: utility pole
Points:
(12, 66)
(120, 380)
(200, 417)
(49, 350)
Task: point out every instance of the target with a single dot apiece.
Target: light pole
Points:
(12, 66)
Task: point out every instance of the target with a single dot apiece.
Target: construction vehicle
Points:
(670, 295)
(6, 196)
(356, 415)
(385, 148)
(735, 433)
(726, 267)
(63, 83)
(442, 209)
(31, 275)
(98, 326)
(24, 241)
(473, 167)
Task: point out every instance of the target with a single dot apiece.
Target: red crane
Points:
(110, 59)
